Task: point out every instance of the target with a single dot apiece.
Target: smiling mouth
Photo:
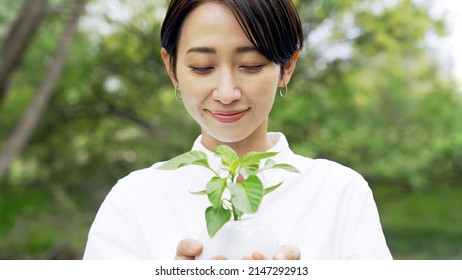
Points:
(228, 117)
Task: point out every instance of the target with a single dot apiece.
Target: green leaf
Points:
(228, 156)
(270, 189)
(188, 158)
(251, 169)
(237, 214)
(202, 192)
(215, 219)
(255, 157)
(286, 167)
(271, 164)
(215, 188)
(247, 195)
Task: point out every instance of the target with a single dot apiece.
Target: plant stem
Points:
(214, 172)
(235, 215)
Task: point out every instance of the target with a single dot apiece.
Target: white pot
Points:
(237, 239)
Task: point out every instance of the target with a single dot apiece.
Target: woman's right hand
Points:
(189, 249)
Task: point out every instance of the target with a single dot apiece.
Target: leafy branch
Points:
(245, 188)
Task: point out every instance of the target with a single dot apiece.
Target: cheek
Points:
(264, 88)
(268, 81)
(193, 96)
(193, 91)
(191, 102)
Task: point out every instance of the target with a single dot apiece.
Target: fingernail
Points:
(193, 245)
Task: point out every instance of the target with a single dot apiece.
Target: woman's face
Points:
(227, 86)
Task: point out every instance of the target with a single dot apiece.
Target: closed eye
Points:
(201, 70)
(252, 68)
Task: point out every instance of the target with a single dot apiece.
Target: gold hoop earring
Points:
(283, 94)
(178, 93)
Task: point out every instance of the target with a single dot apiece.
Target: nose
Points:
(227, 90)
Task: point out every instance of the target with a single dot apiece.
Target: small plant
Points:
(240, 179)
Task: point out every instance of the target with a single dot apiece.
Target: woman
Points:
(227, 60)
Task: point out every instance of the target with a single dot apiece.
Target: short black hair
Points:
(272, 26)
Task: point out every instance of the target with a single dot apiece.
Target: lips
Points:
(228, 116)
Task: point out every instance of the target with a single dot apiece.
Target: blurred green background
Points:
(370, 92)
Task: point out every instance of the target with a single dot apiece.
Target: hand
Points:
(189, 249)
(286, 252)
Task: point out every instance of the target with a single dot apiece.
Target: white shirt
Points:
(327, 210)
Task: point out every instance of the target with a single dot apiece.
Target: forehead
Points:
(211, 23)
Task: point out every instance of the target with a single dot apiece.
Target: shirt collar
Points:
(281, 147)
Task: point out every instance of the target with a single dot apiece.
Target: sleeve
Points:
(114, 233)
(363, 237)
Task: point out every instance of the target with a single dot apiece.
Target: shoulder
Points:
(336, 170)
(330, 175)
(324, 166)
(141, 177)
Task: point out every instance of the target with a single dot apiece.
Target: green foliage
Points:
(396, 29)
(193, 157)
(424, 225)
(386, 109)
(246, 194)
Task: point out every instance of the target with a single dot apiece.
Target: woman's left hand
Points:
(286, 252)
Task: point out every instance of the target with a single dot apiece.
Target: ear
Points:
(166, 57)
(289, 69)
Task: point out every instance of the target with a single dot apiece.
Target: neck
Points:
(252, 143)
(246, 146)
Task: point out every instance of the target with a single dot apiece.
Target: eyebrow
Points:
(207, 50)
(246, 49)
(204, 50)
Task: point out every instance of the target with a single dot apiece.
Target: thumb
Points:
(287, 252)
(188, 249)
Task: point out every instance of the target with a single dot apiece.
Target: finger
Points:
(219, 257)
(287, 252)
(255, 256)
(258, 256)
(188, 249)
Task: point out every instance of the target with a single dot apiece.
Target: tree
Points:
(31, 117)
(18, 39)
(362, 92)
